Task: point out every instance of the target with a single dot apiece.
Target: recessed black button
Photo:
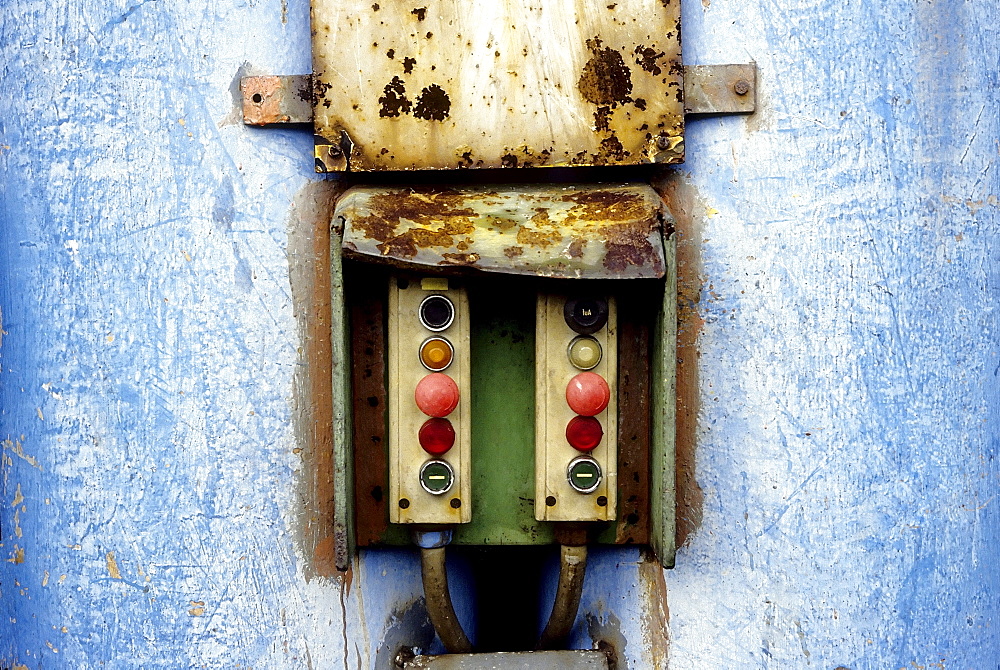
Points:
(436, 312)
(586, 315)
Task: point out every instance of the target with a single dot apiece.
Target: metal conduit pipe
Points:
(572, 568)
(437, 597)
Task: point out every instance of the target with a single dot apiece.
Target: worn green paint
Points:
(664, 403)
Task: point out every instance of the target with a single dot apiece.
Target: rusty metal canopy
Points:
(575, 231)
(444, 84)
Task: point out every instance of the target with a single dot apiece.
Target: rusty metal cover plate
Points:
(444, 84)
(577, 231)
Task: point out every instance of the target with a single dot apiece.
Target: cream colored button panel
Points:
(412, 501)
(555, 497)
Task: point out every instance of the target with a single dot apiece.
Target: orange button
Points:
(436, 354)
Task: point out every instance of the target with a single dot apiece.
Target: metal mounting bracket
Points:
(708, 89)
(720, 89)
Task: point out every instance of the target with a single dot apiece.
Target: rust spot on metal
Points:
(598, 231)
(420, 13)
(391, 53)
(646, 58)
(394, 101)
(605, 80)
(602, 118)
(433, 104)
(408, 64)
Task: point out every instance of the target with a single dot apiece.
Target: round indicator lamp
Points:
(436, 477)
(584, 474)
(586, 315)
(583, 433)
(436, 436)
(436, 394)
(585, 352)
(436, 354)
(436, 312)
(587, 394)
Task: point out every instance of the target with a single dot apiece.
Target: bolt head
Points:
(742, 87)
(335, 152)
(662, 142)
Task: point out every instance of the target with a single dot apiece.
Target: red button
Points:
(436, 436)
(588, 394)
(436, 394)
(583, 433)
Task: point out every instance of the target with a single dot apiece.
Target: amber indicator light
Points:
(436, 354)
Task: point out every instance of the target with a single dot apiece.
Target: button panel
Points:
(429, 402)
(576, 420)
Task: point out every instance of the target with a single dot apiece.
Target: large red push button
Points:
(588, 394)
(437, 394)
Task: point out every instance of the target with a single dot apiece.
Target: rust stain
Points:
(433, 104)
(112, 564)
(684, 201)
(646, 58)
(309, 273)
(606, 79)
(658, 615)
(394, 102)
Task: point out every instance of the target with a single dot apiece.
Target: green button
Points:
(585, 352)
(436, 477)
(584, 475)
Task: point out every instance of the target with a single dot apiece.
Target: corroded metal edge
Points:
(720, 89)
(574, 231)
(516, 660)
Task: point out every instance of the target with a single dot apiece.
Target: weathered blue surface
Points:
(848, 236)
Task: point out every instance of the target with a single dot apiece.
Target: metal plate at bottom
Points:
(520, 660)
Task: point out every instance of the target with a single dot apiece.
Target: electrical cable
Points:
(437, 597)
(572, 568)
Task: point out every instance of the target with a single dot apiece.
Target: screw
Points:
(335, 152)
(403, 503)
(662, 142)
(456, 503)
(742, 87)
(550, 501)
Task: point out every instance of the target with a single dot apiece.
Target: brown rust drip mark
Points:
(683, 201)
(433, 104)
(309, 274)
(394, 102)
(606, 79)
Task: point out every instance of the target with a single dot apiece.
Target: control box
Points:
(429, 401)
(576, 417)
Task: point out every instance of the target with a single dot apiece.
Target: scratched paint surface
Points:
(847, 241)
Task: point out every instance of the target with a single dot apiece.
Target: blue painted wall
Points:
(844, 239)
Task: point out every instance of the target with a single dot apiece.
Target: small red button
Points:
(583, 433)
(588, 394)
(436, 436)
(436, 394)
